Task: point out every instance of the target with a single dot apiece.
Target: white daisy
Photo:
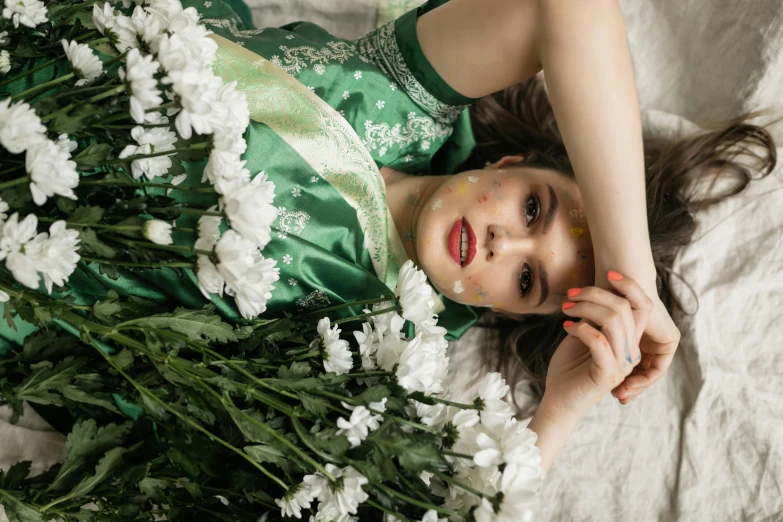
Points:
(86, 66)
(148, 29)
(248, 275)
(51, 172)
(55, 254)
(20, 126)
(248, 207)
(5, 61)
(197, 90)
(295, 499)
(344, 495)
(157, 231)
(415, 295)
(139, 73)
(15, 236)
(25, 12)
(336, 354)
(157, 139)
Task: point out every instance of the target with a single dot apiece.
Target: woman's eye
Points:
(525, 281)
(532, 209)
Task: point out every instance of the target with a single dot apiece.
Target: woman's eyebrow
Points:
(543, 280)
(550, 214)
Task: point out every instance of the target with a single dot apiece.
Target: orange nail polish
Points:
(573, 292)
(614, 276)
(568, 305)
(569, 324)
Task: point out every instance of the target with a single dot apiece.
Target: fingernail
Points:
(567, 305)
(573, 292)
(614, 276)
(569, 324)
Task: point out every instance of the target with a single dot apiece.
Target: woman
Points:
(509, 238)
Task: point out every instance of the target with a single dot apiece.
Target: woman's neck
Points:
(405, 195)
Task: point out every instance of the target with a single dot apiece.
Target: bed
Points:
(705, 443)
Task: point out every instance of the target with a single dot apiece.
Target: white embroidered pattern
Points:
(380, 46)
(296, 192)
(314, 301)
(287, 259)
(380, 104)
(346, 95)
(314, 179)
(231, 25)
(416, 128)
(292, 281)
(291, 222)
(295, 59)
(319, 69)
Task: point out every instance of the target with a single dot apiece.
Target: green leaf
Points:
(133, 221)
(184, 461)
(90, 242)
(105, 467)
(196, 324)
(193, 488)
(38, 387)
(153, 488)
(92, 156)
(328, 441)
(374, 394)
(85, 440)
(74, 120)
(15, 475)
(47, 345)
(154, 408)
(124, 359)
(87, 215)
(297, 370)
(78, 395)
(251, 430)
(18, 511)
(266, 453)
(199, 408)
(314, 405)
(103, 310)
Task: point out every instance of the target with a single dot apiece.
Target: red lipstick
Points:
(456, 242)
(455, 236)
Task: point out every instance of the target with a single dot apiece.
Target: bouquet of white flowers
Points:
(176, 413)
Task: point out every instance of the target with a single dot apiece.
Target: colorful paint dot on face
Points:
(576, 231)
(463, 188)
(577, 216)
(568, 195)
(437, 204)
(482, 199)
(458, 288)
(473, 179)
(449, 190)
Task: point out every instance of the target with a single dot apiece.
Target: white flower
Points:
(103, 16)
(415, 295)
(248, 276)
(209, 279)
(54, 254)
(25, 12)
(15, 236)
(248, 207)
(197, 90)
(357, 75)
(156, 139)
(5, 61)
(3, 210)
(329, 513)
(226, 141)
(139, 72)
(434, 416)
(165, 10)
(223, 500)
(224, 166)
(193, 36)
(296, 192)
(235, 105)
(380, 104)
(432, 515)
(343, 496)
(65, 144)
(423, 366)
(4, 297)
(51, 172)
(176, 180)
(362, 421)
(337, 355)
(20, 126)
(208, 230)
(157, 231)
(513, 444)
(148, 29)
(295, 499)
(122, 33)
(287, 259)
(520, 498)
(86, 66)
(346, 95)
(368, 345)
(495, 411)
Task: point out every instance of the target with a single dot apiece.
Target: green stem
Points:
(365, 316)
(27, 73)
(345, 305)
(39, 89)
(111, 182)
(144, 391)
(361, 375)
(185, 210)
(11, 170)
(99, 41)
(459, 405)
(299, 429)
(129, 127)
(130, 159)
(107, 94)
(137, 265)
(74, 9)
(395, 514)
(452, 480)
(415, 502)
(14, 182)
(172, 248)
(457, 455)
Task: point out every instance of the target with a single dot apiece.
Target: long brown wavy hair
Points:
(520, 120)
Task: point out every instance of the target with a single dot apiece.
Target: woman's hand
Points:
(602, 349)
(658, 344)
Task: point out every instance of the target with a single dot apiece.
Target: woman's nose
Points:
(503, 242)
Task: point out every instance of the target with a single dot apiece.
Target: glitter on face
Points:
(458, 288)
(437, 204)
(577, 216)
(472, 179)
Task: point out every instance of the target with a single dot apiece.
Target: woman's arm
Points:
(482, 46)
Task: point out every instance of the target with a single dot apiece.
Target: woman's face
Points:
(508, 237)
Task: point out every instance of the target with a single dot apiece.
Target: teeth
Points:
(464, 245)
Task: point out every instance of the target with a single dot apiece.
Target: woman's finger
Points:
(606, 359)
(611, 301)
(636, 296)
(614, 325)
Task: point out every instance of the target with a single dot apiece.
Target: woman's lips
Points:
(455, 242)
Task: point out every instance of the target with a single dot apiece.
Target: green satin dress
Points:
(326, 114)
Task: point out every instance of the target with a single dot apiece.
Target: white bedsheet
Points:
(706, 443)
